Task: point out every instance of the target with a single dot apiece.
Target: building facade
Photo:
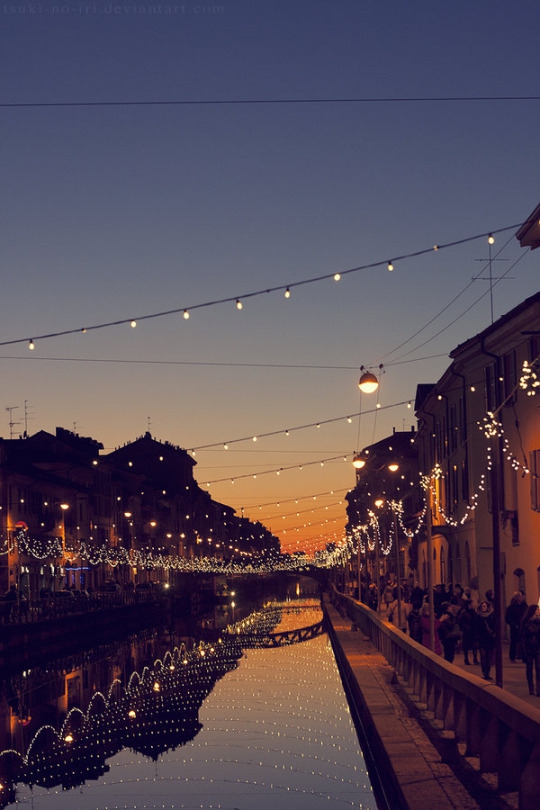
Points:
(478, 442)
(72, 517)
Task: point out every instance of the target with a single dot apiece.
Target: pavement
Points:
(400, 753)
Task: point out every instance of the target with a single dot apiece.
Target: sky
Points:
(160, 157)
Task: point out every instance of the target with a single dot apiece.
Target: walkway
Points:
(413, 771)
(514, 680)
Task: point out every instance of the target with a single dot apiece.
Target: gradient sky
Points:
(119, 211)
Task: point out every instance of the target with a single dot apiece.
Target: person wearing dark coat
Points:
(466, 621)
(372, 597)
(414, 620)
(530, 642)
(449, 632)
(484, 631)
(513, 615)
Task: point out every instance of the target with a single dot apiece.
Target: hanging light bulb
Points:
(31, 345)
(239, 304)
(185, 315)
(133, 324)
(491, 239)
(390, 266)
(287, 293)
(368, 382)
(337, 276)
(358, 461)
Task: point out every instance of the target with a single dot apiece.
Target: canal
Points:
(245, 713)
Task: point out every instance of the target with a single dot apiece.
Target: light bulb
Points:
(186, 315)
(390, 266)
(287, 293)
(239, 304)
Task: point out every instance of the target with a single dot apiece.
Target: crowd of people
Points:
(463, 623)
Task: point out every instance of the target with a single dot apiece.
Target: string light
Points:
(336, 276)
(31, 345)
(390, 266)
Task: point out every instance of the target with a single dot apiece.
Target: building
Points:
(479, 444)
(73, 518)
(384, 509)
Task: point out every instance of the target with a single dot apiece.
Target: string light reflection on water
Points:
(276, 732)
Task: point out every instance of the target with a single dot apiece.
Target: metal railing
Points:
(25, 611)
(478, 718)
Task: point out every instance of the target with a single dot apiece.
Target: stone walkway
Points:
(410, 767)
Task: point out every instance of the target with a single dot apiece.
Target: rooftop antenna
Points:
(26, 417)
(11, 422)
(491, 278)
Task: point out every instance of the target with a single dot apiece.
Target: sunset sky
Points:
(170, 156)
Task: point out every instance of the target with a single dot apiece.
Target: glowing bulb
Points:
(390, 266)
(368, 382)
(186, 315)
(491, 239)
(133, 324)
(337, 276)
(239, 304)
(31, 345)
(287, 293)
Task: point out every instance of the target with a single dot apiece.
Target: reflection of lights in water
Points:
(293, 735)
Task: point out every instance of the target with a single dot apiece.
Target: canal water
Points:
(248, 719)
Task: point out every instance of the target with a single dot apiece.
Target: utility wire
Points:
(263, 101)
(133, 320)
(444, 309)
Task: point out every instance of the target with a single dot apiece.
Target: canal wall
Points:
(407, 770)
(27, 643)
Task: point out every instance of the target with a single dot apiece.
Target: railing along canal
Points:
(486, 722)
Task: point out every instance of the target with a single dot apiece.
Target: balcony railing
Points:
(476, 718)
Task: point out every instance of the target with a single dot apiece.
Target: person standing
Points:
(513, 615)
(466, 620)
(425, 623)
(484, 627)
(449, 632)
(414, 620)
(530, 642)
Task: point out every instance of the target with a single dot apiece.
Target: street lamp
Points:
(64, 507)
(368, 382)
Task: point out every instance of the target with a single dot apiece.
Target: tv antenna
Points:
(11, 422)
(491, 278)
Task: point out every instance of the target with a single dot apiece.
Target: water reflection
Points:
(121, 713)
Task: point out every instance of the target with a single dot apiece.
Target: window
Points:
(534, 464)
(492, 387)
(519, 573)
(510, 378)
